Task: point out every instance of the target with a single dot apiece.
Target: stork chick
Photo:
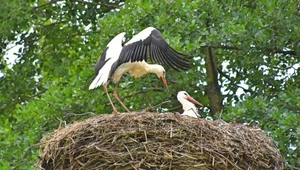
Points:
(188, 104)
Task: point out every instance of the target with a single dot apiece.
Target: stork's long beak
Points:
(189, 98)
(164, 81)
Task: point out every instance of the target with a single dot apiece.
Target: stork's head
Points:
(186, 100)
(161, 73)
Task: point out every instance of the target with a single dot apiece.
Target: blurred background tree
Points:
(245, 57)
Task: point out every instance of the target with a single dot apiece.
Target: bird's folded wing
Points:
(101, 61)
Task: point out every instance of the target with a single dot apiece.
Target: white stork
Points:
(117, 59)
(188, 104)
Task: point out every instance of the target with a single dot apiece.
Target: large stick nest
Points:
(157, 141)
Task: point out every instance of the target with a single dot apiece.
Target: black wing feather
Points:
(158, 51)
(164, 60)
(183, 62)
(171, 63)
(152, 52)
(180, 63)
(156, 56)
(101, 61)
(172, 55)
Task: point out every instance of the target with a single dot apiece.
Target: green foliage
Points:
(257, 44)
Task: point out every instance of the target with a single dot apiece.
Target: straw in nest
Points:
(157, 141)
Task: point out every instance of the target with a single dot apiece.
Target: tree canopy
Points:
(245, 65)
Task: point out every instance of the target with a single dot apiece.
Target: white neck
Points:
(191, 113)
(189, 108)
(154, 68)
(186, 105)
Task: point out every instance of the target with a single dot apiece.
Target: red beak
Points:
(164, 81)
(189, 98)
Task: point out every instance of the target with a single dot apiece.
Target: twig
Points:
(146, 139)
(292, 167)
(82, 114)
(129, 152)
(80, 1)
(42, 5)
(270, 50)
(232, 81)
(286, 68)
(137, 92)
(62, 123)
(171, 130)
(55, 23)
(101, 3)
(224, 157)
(153, 107)
(11, 103)
(30, 147)
(220, 116)
(174, 108)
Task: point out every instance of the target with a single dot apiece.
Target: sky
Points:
(10, 54)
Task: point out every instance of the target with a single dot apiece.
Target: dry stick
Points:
(171, 130)
(153, 107)
(141, 162)
(135, 93)
(129, 152)
(233, 164)
(146, 139)
(79, 114)
(133, 166)
(174, 108)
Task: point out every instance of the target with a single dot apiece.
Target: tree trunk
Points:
(213, 88)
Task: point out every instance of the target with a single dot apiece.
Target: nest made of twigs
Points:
(157, 141)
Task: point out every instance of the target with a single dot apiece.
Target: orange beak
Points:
(164, 81)
(189, 98)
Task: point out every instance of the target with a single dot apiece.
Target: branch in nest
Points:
(156, 106)
(174, 108)
(82, 114)
(137, 92)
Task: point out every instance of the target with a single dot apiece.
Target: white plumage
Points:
(116, 60)
(141, 35)
(111, 57)
(188, 104)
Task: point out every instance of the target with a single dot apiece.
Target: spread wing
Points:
(149, 42)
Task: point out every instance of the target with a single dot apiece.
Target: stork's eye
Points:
(185, 94)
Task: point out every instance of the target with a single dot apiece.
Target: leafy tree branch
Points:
(268, 50)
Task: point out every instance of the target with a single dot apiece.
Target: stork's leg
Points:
(117, 97)
(114, 109)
